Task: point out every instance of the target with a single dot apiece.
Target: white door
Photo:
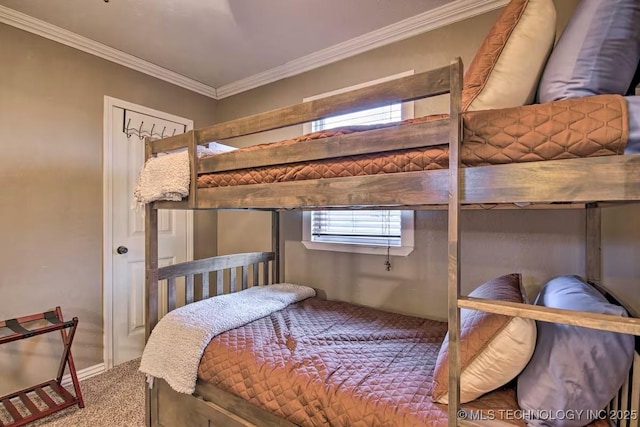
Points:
(126, 248)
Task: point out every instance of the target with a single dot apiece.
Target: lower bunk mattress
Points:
(321, 363)
(581, 127)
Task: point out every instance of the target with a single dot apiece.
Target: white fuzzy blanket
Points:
(167, 177)
(176, 344)
(164, 178)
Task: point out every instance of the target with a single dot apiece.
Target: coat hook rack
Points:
(128, 133)
(141, 133)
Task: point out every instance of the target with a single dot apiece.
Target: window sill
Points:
(357, 249)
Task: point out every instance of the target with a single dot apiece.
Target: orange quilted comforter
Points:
(582, 127)
(321, 363)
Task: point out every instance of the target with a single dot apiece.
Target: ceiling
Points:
(219, 43)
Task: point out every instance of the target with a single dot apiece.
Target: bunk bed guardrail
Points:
(231, 273)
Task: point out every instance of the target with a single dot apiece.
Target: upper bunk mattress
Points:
(581, 127)
(319, 363)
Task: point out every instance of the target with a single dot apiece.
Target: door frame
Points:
(107, 216)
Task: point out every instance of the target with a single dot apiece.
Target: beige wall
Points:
(538, 244)
(51, 100)
(51, 113)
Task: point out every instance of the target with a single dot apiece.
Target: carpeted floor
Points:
(114, 399)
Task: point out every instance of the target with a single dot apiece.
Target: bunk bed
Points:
(568, 180)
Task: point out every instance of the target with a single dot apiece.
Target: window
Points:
(361, 230)
(386, 114)
(365, 227)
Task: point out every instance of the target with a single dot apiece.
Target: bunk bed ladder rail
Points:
(624, 409)
(204, 278)
(453, 287)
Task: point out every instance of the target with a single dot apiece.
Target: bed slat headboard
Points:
(188, 282)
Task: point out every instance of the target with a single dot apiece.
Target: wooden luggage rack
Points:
(57, 398)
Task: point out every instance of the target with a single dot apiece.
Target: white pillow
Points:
(507, 67)
(494, 348)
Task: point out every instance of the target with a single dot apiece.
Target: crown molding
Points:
(44, 29)
(439, 17)
(449, 13)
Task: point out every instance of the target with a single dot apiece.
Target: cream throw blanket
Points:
(164, 178)
(176, 344)
(167, 177)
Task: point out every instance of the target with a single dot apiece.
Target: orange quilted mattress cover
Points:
(321, 363)
(582, 127)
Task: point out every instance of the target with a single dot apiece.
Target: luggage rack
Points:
(52, 395)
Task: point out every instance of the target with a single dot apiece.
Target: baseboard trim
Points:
(85, 373)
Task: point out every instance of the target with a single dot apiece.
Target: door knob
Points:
(122, 250)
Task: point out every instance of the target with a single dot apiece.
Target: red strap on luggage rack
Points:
(50, 391)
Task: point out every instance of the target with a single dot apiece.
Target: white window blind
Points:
(364, 227)
(386, 114)
(358, 227)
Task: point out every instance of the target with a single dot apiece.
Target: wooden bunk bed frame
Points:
(557, 184)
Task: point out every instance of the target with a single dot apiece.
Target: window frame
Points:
(407, 224)
(407, 221)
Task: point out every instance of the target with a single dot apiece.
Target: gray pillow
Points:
(598, 52)
(574, 368)
(633, 144)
